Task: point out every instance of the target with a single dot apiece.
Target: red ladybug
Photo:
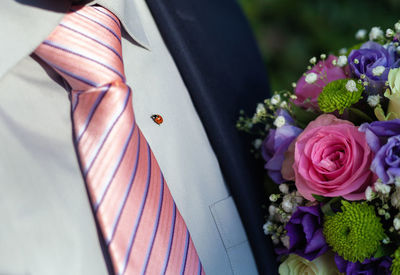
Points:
(157, 119)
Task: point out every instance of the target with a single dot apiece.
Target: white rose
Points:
(394, 80)
(394, 93)
(296, 265)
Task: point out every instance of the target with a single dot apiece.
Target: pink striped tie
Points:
(143, 230)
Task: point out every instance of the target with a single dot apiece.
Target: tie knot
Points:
(85, 48)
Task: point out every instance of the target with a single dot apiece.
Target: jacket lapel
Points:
(20, 39)
(215, 52)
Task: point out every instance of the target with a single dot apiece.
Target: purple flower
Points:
(305, 232)
(374, 61)
(384, 139)
(276, 144)
(371, 266)
(386, 164)
(378, 132)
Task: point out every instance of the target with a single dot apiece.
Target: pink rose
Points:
(332, 158)
(328, 72)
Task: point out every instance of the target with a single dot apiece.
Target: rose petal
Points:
(332, 159)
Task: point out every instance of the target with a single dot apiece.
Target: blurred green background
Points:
(290, 32)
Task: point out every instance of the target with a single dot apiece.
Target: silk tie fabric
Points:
(142, 228)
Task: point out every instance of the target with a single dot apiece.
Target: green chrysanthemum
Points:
(339, 95)
(355, 233)
(395, 268)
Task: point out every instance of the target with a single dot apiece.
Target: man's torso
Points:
(44, 197)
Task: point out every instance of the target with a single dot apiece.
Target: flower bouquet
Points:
(332, 146)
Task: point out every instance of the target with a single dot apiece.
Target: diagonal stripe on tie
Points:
(143, 230)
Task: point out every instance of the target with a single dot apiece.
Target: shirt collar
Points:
(129, 16)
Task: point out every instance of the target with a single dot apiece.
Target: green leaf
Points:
(319, 198)
(302, 116)
(363, 116)
(383, 250)
(326, 208)
(380, 252)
